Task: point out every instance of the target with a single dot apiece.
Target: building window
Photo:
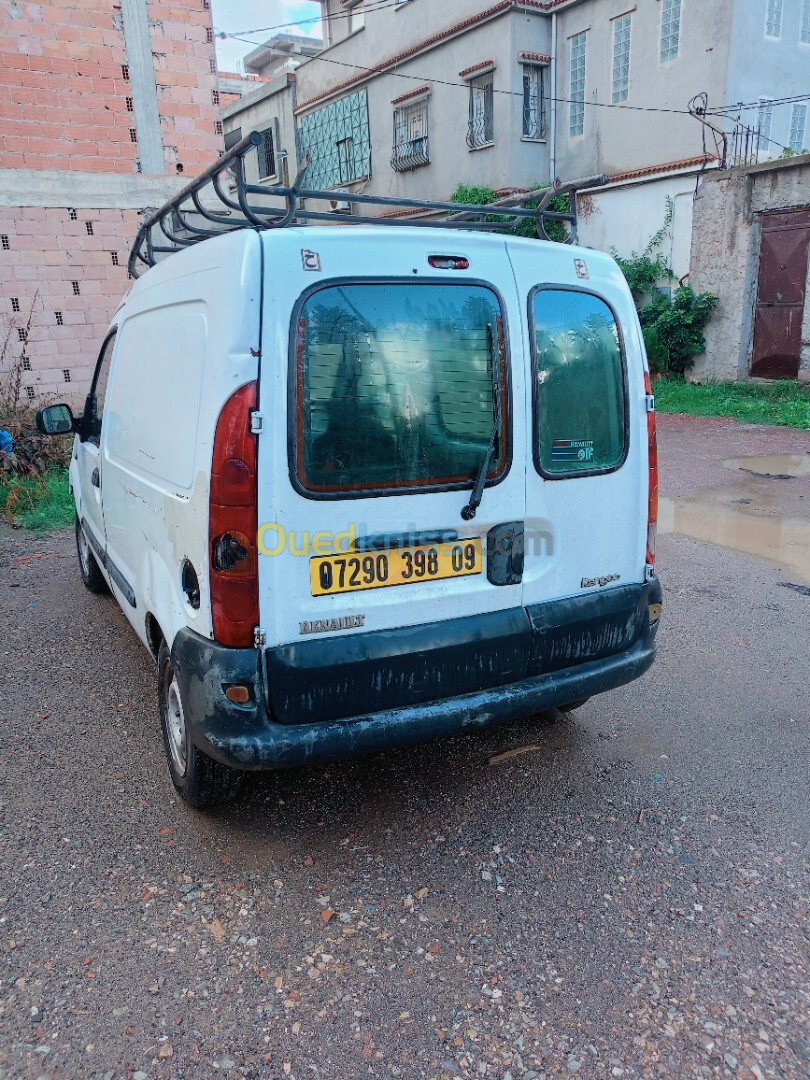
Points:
(338, 141)
(773, 19)
(576, 121)
(670, 30)
(764, 118)
(798, 119)
(15, 303)
(481, 127)
(534, 102)
(267, 155)
(805, 28)
(621, 59)
(357, 17)
(411, 148)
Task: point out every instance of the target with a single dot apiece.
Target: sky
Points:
(231, 16)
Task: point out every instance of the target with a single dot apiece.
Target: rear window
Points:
(395, 389)
(579, 396)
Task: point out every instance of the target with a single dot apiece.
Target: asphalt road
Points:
(627, 897)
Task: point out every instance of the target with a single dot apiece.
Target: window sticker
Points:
(572, 450)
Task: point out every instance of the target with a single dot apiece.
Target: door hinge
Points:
(259, 637)
(256, 422)
(649, 403)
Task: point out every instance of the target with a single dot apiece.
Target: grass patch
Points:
(38, 505)
(783, 402)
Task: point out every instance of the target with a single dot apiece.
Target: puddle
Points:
(784, 541)
(772, 466)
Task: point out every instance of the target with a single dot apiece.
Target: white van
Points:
(356, 488)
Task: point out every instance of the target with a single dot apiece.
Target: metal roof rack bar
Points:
(183, 220)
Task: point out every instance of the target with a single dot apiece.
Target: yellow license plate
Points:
(396, 566)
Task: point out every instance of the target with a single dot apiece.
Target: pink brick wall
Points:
(64, 91)
(47, 252)
(63, 106)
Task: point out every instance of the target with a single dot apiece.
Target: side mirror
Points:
(55, 420)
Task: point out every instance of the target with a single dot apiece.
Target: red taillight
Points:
(233, 524)
(449, 262)
(652, 501)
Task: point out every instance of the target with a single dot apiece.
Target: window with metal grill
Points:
(411, 147)
(764, 119)
(481, 125)
(15, 303)
(773, 19)
(338, 141)
(534, 102)
(576, 109)
(267, 155)
(670, 30)
(620, 83)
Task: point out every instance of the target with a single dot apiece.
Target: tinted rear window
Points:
(394, 386)
(579, 397)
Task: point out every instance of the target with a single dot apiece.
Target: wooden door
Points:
(780, 294)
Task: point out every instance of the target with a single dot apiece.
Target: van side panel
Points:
(188, 335)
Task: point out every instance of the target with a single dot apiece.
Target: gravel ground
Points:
(626, 896)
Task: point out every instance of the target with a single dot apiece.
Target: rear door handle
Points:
(95, 478)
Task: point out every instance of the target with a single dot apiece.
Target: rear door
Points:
(378, 402)
(586, 482)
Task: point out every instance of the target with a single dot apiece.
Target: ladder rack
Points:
(204, 208)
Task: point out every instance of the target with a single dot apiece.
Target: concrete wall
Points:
(104, 110)
(265, 106)
(761, 66)
(725, 258)
(617, 140)
(625, 216)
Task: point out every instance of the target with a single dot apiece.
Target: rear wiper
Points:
(468, 513)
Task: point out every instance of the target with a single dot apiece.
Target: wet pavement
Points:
(621, 892)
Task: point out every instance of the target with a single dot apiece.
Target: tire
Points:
(573, 705)
(88, 566)
(198, 779)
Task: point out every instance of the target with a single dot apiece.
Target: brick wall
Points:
(68, 104)
(48, 251)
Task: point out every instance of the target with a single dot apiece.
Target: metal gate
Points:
(781, 294)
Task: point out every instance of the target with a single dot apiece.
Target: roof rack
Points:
(204, 208)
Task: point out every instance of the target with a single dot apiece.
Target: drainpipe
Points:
(552, 135)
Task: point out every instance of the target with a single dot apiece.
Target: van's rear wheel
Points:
(88, 567)
(198, 779)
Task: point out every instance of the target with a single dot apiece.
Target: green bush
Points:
(483, 196)
(679, 326)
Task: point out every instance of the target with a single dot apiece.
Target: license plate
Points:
(397, 566)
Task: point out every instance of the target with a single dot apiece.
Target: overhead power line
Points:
(376, 6)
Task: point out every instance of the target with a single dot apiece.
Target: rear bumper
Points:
(247, 737)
